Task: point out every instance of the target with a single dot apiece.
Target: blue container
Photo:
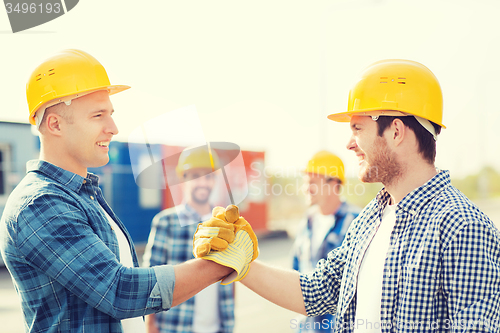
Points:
(135, 206)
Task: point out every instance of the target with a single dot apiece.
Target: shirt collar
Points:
(190, 213)
(69, 179)
(417, 198)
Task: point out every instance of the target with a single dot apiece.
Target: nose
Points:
(351, 144)
(112, 128)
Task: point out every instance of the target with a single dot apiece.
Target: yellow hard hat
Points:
(195, 158)
(326, 164)
(65, 76)
(395, 87)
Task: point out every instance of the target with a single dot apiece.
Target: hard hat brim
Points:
(112, 89)
(345, 117)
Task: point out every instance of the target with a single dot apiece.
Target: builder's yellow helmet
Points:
(395, 88)
(326, 164)
(196, 158)
(65, 76)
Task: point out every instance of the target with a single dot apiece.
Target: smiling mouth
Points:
(103, 144)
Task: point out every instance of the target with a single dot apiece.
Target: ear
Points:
(53, 124)
(398, 131)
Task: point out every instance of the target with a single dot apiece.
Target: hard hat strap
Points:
(424, 122)
(39, 117)
(428, 126)
(41, 112)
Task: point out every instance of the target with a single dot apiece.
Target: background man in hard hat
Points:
(326, 222)
(71, 258)
(420, 256)
(170, 242)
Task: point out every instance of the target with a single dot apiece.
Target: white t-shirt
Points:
(129, 325)
(321, 225)
(206, 317)
(371, 274)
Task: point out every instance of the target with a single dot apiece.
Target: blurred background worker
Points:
(211, 310)
(326, 223)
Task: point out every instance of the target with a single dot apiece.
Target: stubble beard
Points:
(196, 199)
(383, 167)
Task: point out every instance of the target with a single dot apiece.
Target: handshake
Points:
(227, 239)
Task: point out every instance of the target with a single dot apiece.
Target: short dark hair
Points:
(426, 143)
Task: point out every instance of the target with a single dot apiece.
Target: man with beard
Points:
(170, 242)
(420, 257)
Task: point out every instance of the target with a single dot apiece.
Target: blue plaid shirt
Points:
(303, 258)
(64, 260)
(169, 243)
(441, 274)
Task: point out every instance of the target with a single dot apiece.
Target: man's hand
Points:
(238, 254)
(217, 232)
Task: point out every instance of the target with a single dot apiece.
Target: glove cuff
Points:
(232, 257)
(237, 255)
(233, 277)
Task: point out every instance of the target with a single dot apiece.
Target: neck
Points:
(414, 176)
(62, 161)
(330, 207)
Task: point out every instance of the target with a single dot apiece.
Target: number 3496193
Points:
(33, 8)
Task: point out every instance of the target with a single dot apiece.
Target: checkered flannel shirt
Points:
(441, 274)
(64, 259)
(169, 243)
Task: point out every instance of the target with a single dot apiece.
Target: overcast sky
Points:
(264, 74)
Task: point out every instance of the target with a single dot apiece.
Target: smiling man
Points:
(420, 257)
(71, 259)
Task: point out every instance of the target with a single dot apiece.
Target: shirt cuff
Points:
(165, 283)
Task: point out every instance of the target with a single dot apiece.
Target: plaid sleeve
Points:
(471, 276)
(320, 289)
(58, 240)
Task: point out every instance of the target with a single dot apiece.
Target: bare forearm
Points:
(280, 286)
(150, 322)
(195, 275)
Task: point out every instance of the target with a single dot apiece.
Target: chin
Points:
(100, 162)
(364, 176)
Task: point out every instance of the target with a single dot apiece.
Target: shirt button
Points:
(84, 181)
(91, 198)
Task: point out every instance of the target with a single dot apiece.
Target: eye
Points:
(98, 115)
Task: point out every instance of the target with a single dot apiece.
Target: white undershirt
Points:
(371, 274)
(206, 317)
(321, 225)
(129, 325)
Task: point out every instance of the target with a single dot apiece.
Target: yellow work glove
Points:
(238, 254)
(216, 233)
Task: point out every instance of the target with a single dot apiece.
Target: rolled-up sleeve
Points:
(165, 277)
